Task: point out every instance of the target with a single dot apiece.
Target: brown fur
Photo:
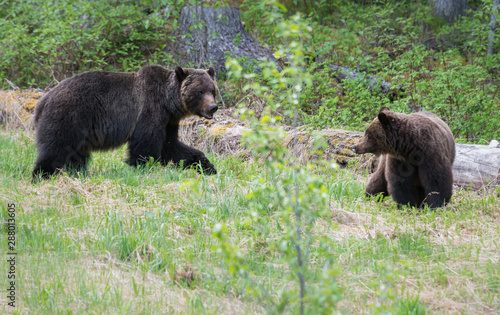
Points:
(418, 151)
(102, 110)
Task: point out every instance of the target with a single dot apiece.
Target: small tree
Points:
(289, 196)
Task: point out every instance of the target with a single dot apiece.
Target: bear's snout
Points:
(361, 148)
(213, 108)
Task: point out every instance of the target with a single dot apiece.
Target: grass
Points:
(125, 240)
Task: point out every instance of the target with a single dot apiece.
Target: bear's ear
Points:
(386, 116)
(383, 108)
(211, 72)
(181, 73)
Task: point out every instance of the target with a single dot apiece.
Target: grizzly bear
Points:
(100, 110)
(417, 151)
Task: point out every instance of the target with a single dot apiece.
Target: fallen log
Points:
(477, 165)
(223, 137)
(17, 107)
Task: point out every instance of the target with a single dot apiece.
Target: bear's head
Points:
(375, 139)
(197, 91)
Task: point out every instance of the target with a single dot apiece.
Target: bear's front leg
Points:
(377, 183)
(144, 145)
(175, 151)
(401, 182)
(179, 153)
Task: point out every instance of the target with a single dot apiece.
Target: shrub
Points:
(45, 42)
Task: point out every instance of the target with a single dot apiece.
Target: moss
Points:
(20, 102)
(341, 159)
(220, 130)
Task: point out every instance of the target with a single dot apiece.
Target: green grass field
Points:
(129, 241)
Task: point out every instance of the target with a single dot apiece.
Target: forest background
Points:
(270, 234)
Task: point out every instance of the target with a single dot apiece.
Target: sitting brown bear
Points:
(417, 151)
(101, 110)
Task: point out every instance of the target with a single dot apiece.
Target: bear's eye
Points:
(213, 92)
(200, 93)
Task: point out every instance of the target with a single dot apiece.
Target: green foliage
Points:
(458, 92)
(43, 42)
(431, 65)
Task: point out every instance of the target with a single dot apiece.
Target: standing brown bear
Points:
(417, 151)
(101, 110)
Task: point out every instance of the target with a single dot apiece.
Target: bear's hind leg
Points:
(78, 161)
(52, 158)
(47, 162)
(44, 167)
(437, 182)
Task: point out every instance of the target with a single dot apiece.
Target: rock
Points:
(374, 84)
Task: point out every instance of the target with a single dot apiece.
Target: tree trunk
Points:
(450, 9)
(223, 35)
(493, 25)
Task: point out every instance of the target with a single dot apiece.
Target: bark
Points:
(493, 25)
(222, 35)
(450, 9)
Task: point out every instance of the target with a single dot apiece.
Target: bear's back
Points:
(441, 131)
(85, 91)
(97, 83)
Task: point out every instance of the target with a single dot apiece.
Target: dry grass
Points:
(105, 276)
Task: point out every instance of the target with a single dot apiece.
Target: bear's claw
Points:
(208, 168)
